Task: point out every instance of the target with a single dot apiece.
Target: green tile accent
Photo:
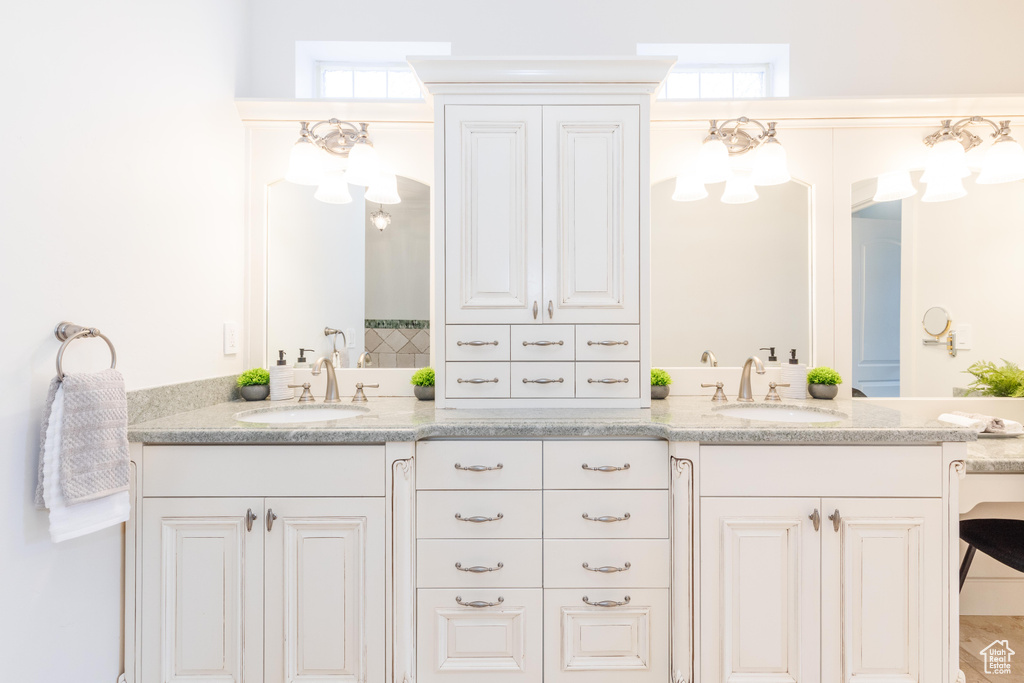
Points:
(398, 324)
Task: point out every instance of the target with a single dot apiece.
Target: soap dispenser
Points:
(302, 362)
(281, 375)
(794, 373)
(773, 360)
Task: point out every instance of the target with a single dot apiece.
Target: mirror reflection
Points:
(730, 278)
(334, 266)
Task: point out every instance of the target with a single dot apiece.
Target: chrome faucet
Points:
(332, 380)
(364, 360)
(709, 355)
(745, 394)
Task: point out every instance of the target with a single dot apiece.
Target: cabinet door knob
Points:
(479, 603)
(836, 520)
(607, 519)
(606, 603)
(816, 519)
(607, 570)
(606, 468)
(478, 519)
(270, 518)
(250, 517)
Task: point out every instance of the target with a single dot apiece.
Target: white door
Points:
(591, 214)
(882, 591)
(759, 571)
(493, 214)
(202, 591)
(876, 300)
(324, 590)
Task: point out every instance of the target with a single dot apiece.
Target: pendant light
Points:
(380, 219)
(893, 186)
(333, 189)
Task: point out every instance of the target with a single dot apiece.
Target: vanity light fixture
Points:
(380, 219)
(894, 185)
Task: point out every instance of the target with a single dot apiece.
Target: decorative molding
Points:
(634, 656)
(452, 621)
(959, 467)
(403, 586)
(682, 618)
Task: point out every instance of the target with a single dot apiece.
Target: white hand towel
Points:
(995, 425)
(67, 522)
(963, 421)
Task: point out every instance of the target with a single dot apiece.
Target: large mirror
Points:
(330, 266)
(920, 265)
(730, 278)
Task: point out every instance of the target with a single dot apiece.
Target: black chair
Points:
(1000, 539)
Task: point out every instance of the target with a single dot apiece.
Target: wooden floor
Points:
(976, 633)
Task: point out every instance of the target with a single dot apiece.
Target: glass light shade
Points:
(714, 161)
(1004, 163)
(380, 219)
(689, 188)
(363, 164)
(739, 189)
(945, 159)
(944, 188)
(894, 185)
(333, 189)
(771, 165)
(306, 163)
(384, 190)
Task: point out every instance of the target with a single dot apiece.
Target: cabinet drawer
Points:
(606, 464)
(588, 644)
(476, 342)
(325, 471)
(876, 471)
(607, 342)
(543, 380)
(645, 563)
(607, 380)
(476, 380)
(500, 644)
(458, 465)
(515, 564)
(647, 514)
(513, 514)
(543, 342)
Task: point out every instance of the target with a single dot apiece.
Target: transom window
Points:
(394, 81)
(707, 82)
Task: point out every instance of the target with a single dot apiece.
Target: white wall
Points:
(121, 206)
(398, 259)
(870, 47)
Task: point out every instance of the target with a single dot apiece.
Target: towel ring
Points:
(69, 332)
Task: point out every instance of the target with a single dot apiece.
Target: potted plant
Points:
(423, 384)
(254, 385)
(823, 382)
(659, 383)
(997, 380)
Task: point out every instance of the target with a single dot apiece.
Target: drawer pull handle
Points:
(479, 603)
(478, 519)
(250, 517)
(606, 603)
(478, 468)
(606, 570)
(476, 343)
(608, 343)
(478, 570)
(606, 468)
(478, 380)
(543, 380)
(544, 343)
(607, 519)
(608, 380)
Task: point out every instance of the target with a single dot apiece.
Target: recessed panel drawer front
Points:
(478, 514)
(606, 514)
(607, 380)
(607, 342)
(478, 563)
(543, 380)
(477, 380)
(603, 563)
(543, 342)
(476, 342)
(478, 465)
(604, 464)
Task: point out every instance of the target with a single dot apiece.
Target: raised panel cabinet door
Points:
(202, 590)
(760, 576)
(492, 214)
(592, 214)
(882, 590)
(324, 590)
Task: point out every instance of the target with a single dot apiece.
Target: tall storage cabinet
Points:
(542, 236)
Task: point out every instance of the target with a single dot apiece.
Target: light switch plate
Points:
(350, 337)
(230, 338)
(964, 336)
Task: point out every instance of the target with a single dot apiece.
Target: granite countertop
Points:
(681, 418)
(996, 455)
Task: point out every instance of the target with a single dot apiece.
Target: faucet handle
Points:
(773, 395)
(719, 394)
(307, 395)
(360, 396)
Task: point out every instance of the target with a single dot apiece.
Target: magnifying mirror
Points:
(936, 321)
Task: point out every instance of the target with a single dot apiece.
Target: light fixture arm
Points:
(338, 137)
(737, 140)
(958, 132)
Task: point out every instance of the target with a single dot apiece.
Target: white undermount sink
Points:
(296, 415)
(780, 413)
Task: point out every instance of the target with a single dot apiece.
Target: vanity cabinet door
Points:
(760, 577)
(882, 591)
(202, 590)
(591, 214)
(493, 214)
(324, 590)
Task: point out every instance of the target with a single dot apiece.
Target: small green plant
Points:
(823, 375)
(252, 377)
(660, 378)
(995, 380)
(424, 377)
